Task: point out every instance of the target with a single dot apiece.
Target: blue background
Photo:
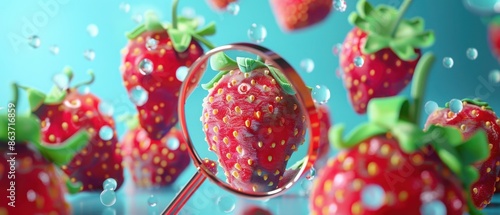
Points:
(456, 30)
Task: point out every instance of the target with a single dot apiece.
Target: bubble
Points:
(307, 65)
(201, 20)
(243, 88)
(337, 48)
(109, 184)
(456, 106)
(44, 177)
(339, 5)
(34, 41)
(151, 44)
(311, 174)
(138, 95)
(137, 18)
(125, 7)
(181, 73)
(89, 54)
(372, 196)
(93, 30)
(54, 49)
(106, 108)
(233, 8)
(430, 107)
(188, 12)
(321, 94)
(173, 143)
(306, 187)
(109, 211)
(31, 195)
(472, 53)
(448, 62)
(106, 133)
(152, 201)
(359, 61)
(83, 89)
(257, 33)
(146, 66)
(108, 197)
(226, 203)
(434, 207)
(61, 81)
(494, 76)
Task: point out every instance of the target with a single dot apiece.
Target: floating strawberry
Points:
(153, 66)
(220, 4)
(476, 115)
(379, 55)
(65, 111)
(154, 162)
(252, 121)
(255, 210)
(298, 14)
(494, 36)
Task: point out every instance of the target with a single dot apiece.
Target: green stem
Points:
(15, 94)
(174, 13)
(205, 42)
(89, 82)
(402, 10)
(419, 84)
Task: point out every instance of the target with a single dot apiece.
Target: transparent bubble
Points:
(106, 108)
(108, 197)
(109, 211)
(201, 20)
(359, 61)
(448, 62)
(151, 44)
(181, 73)
(138, 95)
(61, 81)
(306, 187)
(321, 94)
(373, 196)
(243, 88)
(226, 204)
(89, 54)
(430, 107)
(34, 41)
(54, 49)
(339, 5)
(146, 66)
(307, 65)
(233, 8)
(137, 18)
(173, 143)
(494, 76)
(93, 30)
(109, 184)
(434, 207)
(125, 7)
(106, 133)
(84, 89)
(188, 12)
(31, 195)
(471, 53)
(456, 105)
(257, 33)
(337, 48)
(152, 201)
(311, 174)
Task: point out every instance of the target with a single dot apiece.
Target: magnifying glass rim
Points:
(303, 94)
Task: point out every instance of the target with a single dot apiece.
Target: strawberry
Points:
(494, 36)
(476, 115)
(390, 166)
(65, 111)
(324, 143)
(220, 4)
(211, 165)
(252, 122)
(154, 162)
(380, 53)
(151, 60)
(255, 210)
(293, 15)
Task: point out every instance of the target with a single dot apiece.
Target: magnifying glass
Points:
(245, 109)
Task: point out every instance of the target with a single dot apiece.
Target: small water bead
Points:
(243, 88)
(359, 61)
(307, 65)
(31, 195)
(146, 66)
(34, 41)
(321, 94)
(233, 8)
(430, 107)
(138, 95)
(151, 44)
(311, 174)
(471, 53)
(448, 62)
(306, 187)
(201, 20)
(106, 108)
(494, 76)
(257, 33)
(89, 54)
(173, 143)
(108, 197)
(106, 133)
(434, 207)
(83, 89)
(54, 49)
(373, 196)
(44, 177)
(109, 184)
(188, 12)
(456, 105)
(226, 204)
(152, 201)
(125, 7)
(181, 73)
(61, 81)
(337, 48)
(93, 30)
(339, 5)
(137, 18)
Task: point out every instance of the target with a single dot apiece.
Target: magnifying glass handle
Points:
(183, 196)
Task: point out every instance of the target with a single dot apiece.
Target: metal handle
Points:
(183, 196)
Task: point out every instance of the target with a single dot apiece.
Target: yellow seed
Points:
(64, 125)
(363, 148)
(385, 150)
(237, 166)
(357, 184)
(228, 98)
(265, 177)
(215, 111)
(228, 155)
(251, 98)
(216, 129)
(488, 170)
(269, 130)
(220, 91)
(225, 140)
(247, 123)
(254, 188)
(269, 158)
(214, 138)
(235, 133)
(372, 168)
(282, 142)
(236, 174)
(273, 145)
(287, 158)
(403, 195)
(237, 109)
(239, 149)
(270, 184)
(259, 172)
(277, 172)
(372, 72)
(475, 190)
(295, 132)
(260, 144)
(356, 208)
(487, 124)
(225, 119)
(257, 114)
(463, 127)
(250, 162)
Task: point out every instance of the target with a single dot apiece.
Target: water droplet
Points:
(340, 73)
(448, 62)
(306, 186)
(54, 49)
(359, 61)
(61, 81)
(321, 94)
(188, 12)
(109, 184)
(456, 105)
(106, 108)
(339, 5)
(494, 76)
(173, 143)
(138, 95)
(471, 53)
(146, 66)
(430, 107)
(201, 20)
(125, 7)
(181, 73)
(44, 177)
(233, 8)
(226, 203)
(337, 48)
(73, 104)
(257, 33)
(106, 133)
(93, 30)
(151, 44)
(434, 207)
(108, 197)
(311, 174)
(89, 54)
(34, 41)
(137, 18)
(84, 90)
(307, 65)
(372, 196)
(243, 88)
(31, 195)
(152, 201)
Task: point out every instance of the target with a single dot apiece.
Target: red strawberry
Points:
(62, 114)
(324, 143)
(220, 4)
(154, 162)
(211, 165)
(151, 60)
(298, 14)
(379, 55)
(252, 122)
(256, 210)
(494, 36)
(476, 115)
